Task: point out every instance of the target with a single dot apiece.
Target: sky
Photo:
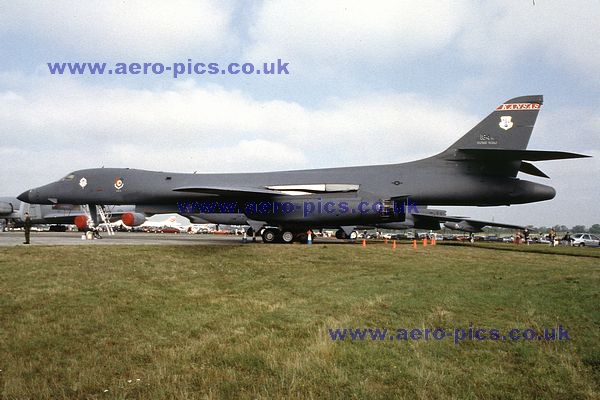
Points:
(368, 83)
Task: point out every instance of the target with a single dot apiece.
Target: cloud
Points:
(505, 35)
(245, 155)
(327, 39)
(119, 29)
(187, 127)
(572, 127)
(370, 127)
(334, 32)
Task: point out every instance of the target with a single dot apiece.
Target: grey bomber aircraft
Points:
(480, 169)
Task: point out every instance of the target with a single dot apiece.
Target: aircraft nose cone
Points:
(34, 196)
(24, 196)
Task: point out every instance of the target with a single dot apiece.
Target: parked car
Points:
(542, 240)
(493, 238)
(168, 229)
(585, 239)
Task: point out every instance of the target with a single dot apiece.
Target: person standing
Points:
(518, 237)
(552, 236)
(567, 239)
(27, 227)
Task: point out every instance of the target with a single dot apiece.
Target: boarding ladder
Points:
(105, 218)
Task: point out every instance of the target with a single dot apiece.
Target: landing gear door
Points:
(400, 208)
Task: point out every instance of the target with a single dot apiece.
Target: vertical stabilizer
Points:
(508, 127)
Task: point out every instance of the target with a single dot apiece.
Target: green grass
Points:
(252, 322)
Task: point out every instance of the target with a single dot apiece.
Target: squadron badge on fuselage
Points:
(119, 183)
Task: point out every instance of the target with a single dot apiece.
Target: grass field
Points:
(252, 321)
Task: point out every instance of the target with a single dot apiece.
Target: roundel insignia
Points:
(506, 122)
(119, 183)
(83, 182)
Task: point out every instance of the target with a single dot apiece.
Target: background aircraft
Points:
(9, 210)
(12, 213)
(480, 169)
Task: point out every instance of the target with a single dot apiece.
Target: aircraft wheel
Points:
(353, 235)
(270, 235)
(340, 234)
(287, 237)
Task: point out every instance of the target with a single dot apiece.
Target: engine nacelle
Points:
(133, 219)
(5, 208)
(81, 221)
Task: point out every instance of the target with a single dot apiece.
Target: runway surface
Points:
(120, 238)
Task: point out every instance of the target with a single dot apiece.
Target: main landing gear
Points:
(276, 235)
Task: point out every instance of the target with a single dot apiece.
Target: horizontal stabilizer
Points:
(514, 155)
(528, 168)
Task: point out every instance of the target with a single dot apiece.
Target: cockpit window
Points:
(68, 177)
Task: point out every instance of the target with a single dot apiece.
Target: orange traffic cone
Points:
(424, 242)
(364, 243)
(414, 246)
(394, 245)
